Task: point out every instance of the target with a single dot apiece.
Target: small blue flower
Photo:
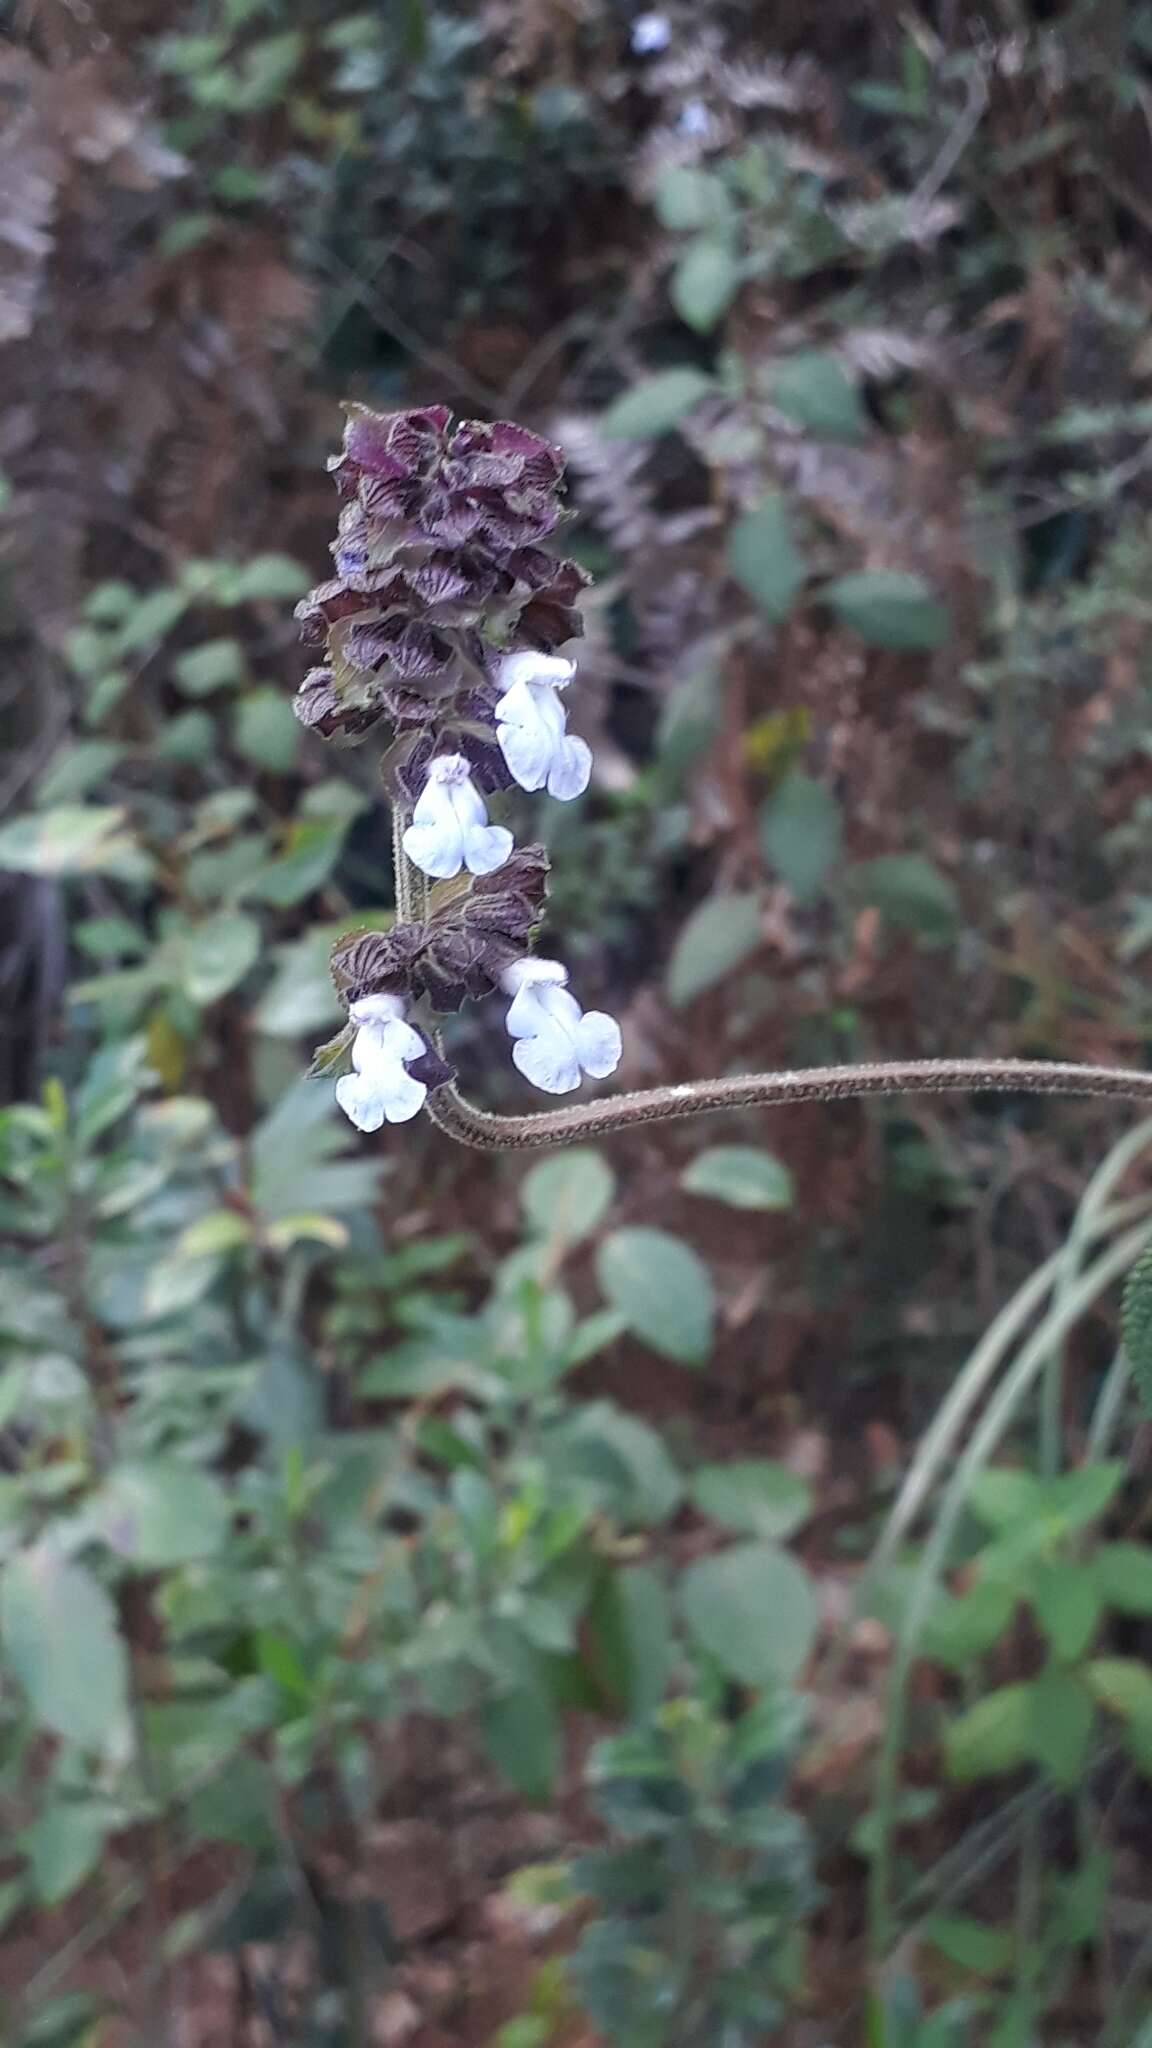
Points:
(651, 33)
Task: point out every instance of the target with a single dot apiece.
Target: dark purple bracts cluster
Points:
(439, 569)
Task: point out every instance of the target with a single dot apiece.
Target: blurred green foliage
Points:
(842, 322)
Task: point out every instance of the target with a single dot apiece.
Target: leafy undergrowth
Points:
(693, 1594)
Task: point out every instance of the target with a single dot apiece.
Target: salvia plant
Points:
(442, 627)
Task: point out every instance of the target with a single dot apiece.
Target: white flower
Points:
(450, 828)
(381, 1090)
(555, 1040)
(531, 726)
(650, 33)
(694, 118)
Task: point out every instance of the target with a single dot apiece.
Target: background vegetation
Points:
(692, 1596)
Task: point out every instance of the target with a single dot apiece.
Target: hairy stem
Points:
(485, 1131)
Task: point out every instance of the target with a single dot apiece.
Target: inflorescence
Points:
(442, 622)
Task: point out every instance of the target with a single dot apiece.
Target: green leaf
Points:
(311, 850)
(752, 1609)
(656, 405)
(705, 281)
(813, 389)
(190, 736)
(1002, 1496)
(1123, 1685)
(159, 1513)
(688, 199)
(1124, 1576)
(216, 955)
(521, 1732)
(889, 608)
(151, 620)
(1136, 1326)
(268, 576)
(993, 1735)
(1067, 1605)
(77, 770)
(214, 665)
(1076, 1498)
(741, 1175)
(911, 893)
(801, 832)
(721, 933)
(60, 1641)
(266, 731)
(965, 1627)
(72, 839)
(764, 559)
(566, 1197)
(631, 1628)
(1062, 1716)
(754, 1496)
(971, 1944)
(626, 1461)
(298, 995)
(306, 1227)
(63, 1847)
(221, 1230)
(663, 1290)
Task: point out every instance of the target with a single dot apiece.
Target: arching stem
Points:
(486, 1132)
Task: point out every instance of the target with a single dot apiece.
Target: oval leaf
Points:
(889, 608)
(655, 405)
(741, 1175)
(718, 936)
(566, 1197)
(753, 1496)
(61, 1643)
(705, 282)
(158, 1513)
(800, 831)
(752, 1609)
(663, 1290)
(218, 954)
(764, 559)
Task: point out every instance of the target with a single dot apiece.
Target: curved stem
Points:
(485, 1131)
(489, 1133)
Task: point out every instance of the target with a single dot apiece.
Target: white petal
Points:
(532, 968)
(399, 1041)
(375, 1009)
(549, 1061)
(435, 800)
(516, 705)
(486, 848)
(385, 1094)
(561, 1007)
(405, 1097)
(598, 1044)
(571, 769)
(360, 1100)
(528, 752)
(468, 804)
(530, 667)
(528, 1011)
(436, 848)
